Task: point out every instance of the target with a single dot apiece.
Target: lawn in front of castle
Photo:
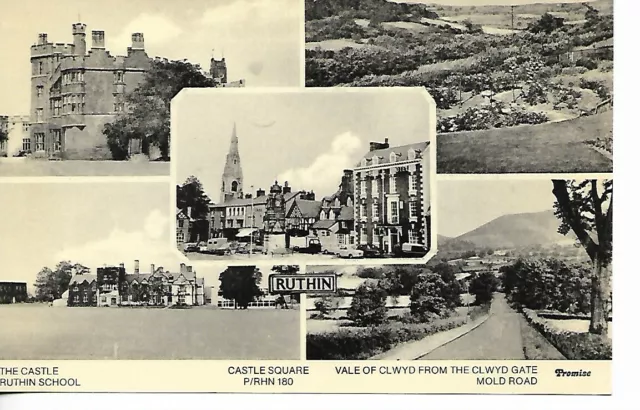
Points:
(25, 167)
(36, 332)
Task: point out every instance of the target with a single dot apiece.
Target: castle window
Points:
(40, 68)
(25, 127)
(413, 236)
(57, 140)
(180, 237)
(39, 141)
(26, 144)
(39, 115)
(394, 212)
(234, 186)
(376, 211)
(118, 76)
(392, 184)
(85, 299)
(39, 91)
(413, 182)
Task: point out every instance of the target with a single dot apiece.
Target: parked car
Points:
(203, 247)
(371, 251)
(224, 249)
(410, 250)
(349, 252)
(190, 247)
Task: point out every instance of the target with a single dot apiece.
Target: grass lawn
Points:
(36, 332)
(547, 148)
(18, 167)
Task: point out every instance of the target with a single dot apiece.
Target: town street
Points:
(498, 338)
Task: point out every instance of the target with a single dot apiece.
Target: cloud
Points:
(324, 173)
(158, 30)
(149, 245)
(252, 12)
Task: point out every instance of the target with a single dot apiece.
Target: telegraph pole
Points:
(253, 222)
(512, 9)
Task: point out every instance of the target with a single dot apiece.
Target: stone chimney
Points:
(97, 39)
(153, 268)
(286, 189)
(260, 192)
(247, 196)
(137, 41)
(311, 196)
(136, 266)
(189, 269)
(42, 39)
(374, 146)
(183, 268)
(122, 266)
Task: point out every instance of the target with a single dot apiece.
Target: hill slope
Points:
(517, 230)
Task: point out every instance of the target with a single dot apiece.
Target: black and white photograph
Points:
(513, 279)
(311, 175)
(97, 279)
(521, 86)
(88, 88)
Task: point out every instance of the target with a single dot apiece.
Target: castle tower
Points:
(232, 175)
(79, 39)
(218, 70)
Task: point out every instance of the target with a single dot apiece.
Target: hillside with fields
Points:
(487, 67)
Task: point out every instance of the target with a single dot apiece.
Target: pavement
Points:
(498, 338)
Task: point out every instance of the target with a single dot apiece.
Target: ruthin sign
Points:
(311, 283)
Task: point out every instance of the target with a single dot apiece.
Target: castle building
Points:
(392, 195)
(13, 292)
(231, 186)
(75, 91)
(16, 130)
(113, 286)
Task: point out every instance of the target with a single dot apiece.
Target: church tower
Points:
(232, 175)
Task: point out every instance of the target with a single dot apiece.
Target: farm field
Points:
(555, 147)
(487, 68)
(32, 332)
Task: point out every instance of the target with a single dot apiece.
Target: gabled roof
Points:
(309, 209)
(385, 153)
(324, 224)
(78, 279)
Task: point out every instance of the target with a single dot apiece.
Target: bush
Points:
(431, 297)
(368, 306)
(587, 63)
(573, 345)
(597, 87)
(362, 343)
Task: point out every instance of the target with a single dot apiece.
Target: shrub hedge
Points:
(362, 343)
(573, 345)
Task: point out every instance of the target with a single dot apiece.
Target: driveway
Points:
(498, 338)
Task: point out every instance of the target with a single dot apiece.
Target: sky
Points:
(306, 137)
(44, 224)
(463, 205)
(261, 40)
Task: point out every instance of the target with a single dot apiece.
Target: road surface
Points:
(498, 338)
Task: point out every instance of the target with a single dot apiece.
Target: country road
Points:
(498, 338)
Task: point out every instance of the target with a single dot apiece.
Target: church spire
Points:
(232, 175)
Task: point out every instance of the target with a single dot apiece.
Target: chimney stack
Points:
(42, 39)
(286, 189)
(97, 39)
(189, 269)
(136, 266)
(153, 268)
(79, 39)
(183, 268)
(122, 266)
(374, 146)
(137, 41)
(260, 192)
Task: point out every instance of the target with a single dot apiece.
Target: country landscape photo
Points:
(305, 174)
(88, 91)
(106, 284)
(523, 273)
(521, 86)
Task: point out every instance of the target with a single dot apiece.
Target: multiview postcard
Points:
(307, 196)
